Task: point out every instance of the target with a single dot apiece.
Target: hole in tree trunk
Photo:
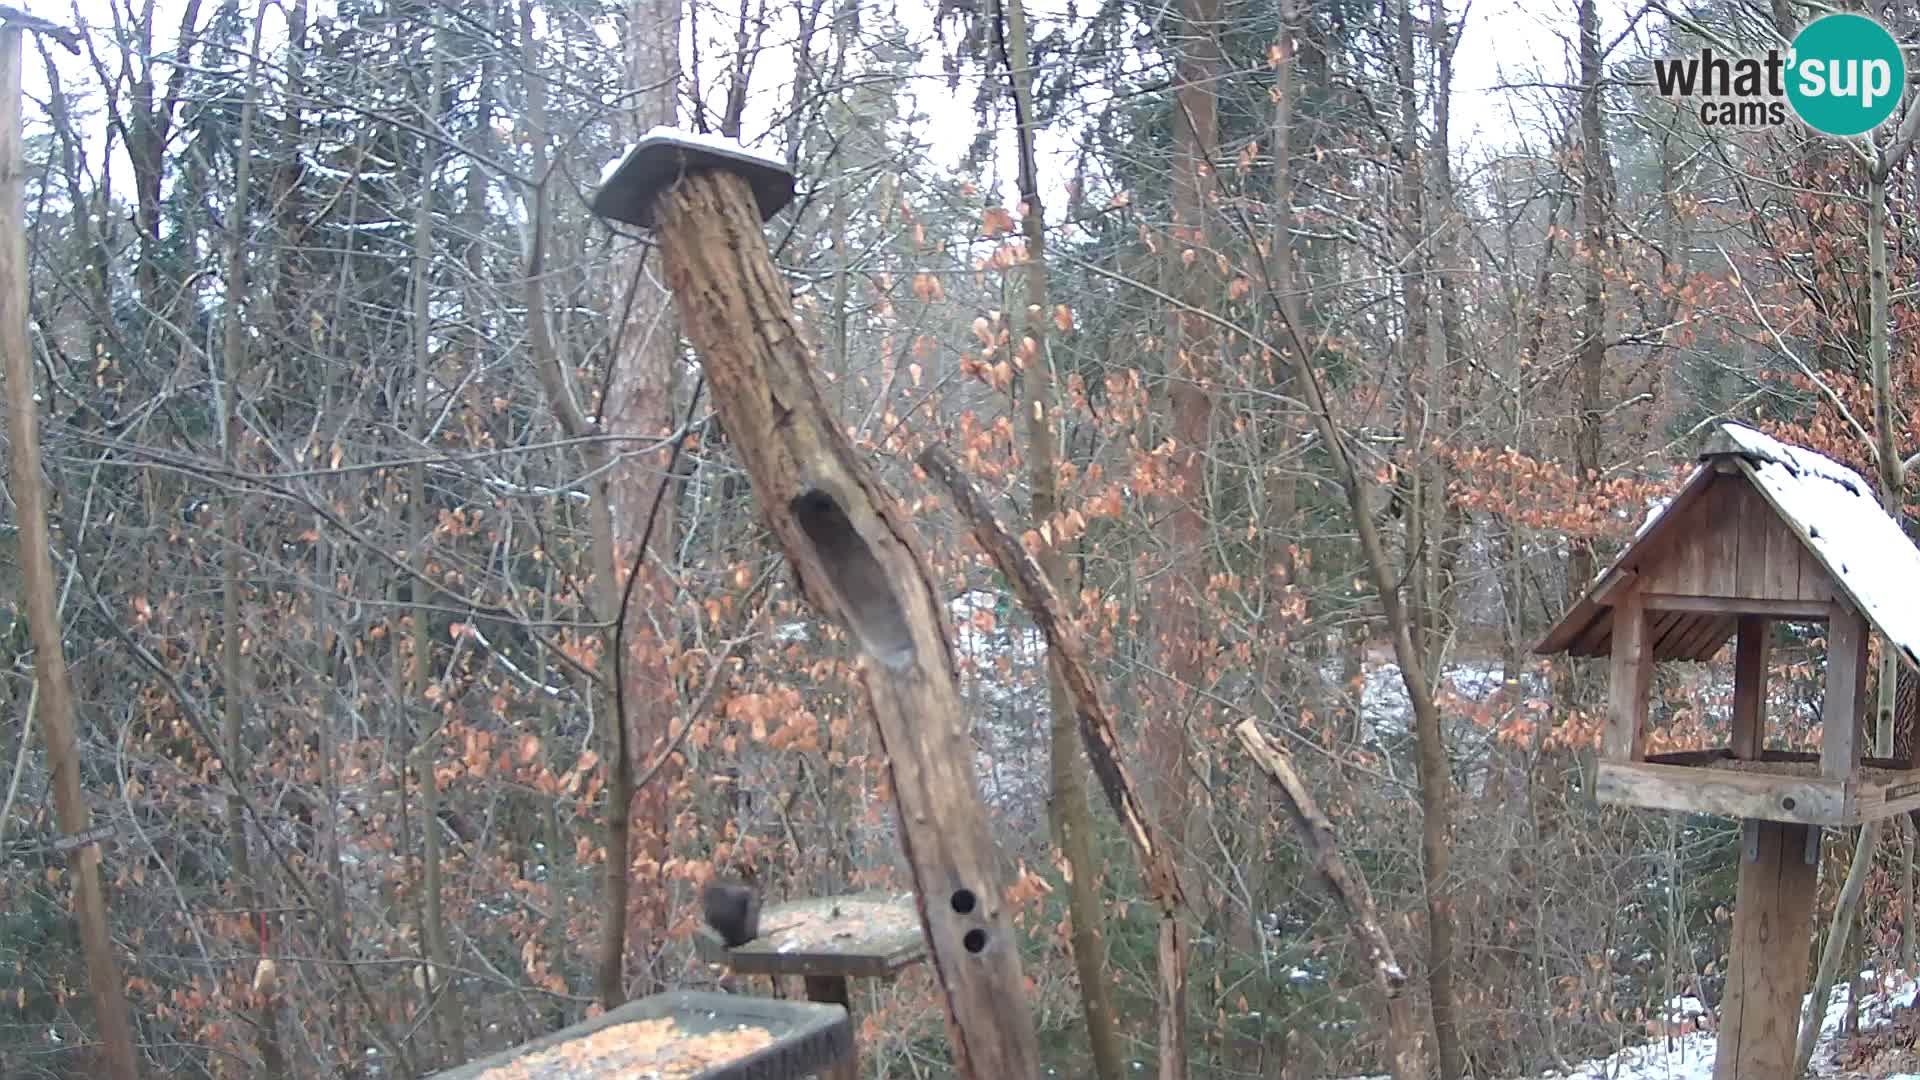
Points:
(865, 595)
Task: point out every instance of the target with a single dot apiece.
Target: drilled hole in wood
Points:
(975, 940)
(963, 901)
(866, 597)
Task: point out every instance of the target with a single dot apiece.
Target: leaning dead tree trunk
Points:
(1067, 655)
(1405, 1058)
(36, 569)
(854, 552)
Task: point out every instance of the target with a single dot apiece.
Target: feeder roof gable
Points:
(1828, 506)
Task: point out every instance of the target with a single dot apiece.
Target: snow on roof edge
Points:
(1837, 516)
(1797, 459)
(717, 143)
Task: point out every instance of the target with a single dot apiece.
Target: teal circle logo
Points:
(1846, 74)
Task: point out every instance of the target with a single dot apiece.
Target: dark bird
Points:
(733, 911)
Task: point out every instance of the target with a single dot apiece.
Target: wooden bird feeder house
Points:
(1762, 532)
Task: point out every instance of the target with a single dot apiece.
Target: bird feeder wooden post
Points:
(854, 552)
(1761, 533)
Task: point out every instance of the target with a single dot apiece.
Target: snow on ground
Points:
(1690, 1057)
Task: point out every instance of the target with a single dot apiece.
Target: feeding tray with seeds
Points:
(862, 935)
(683, 1035)
(828, 941)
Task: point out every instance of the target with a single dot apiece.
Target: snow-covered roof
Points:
(629, 183)
(1836, 514)
(1831, 510)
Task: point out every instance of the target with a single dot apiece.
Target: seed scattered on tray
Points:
(1802, 769)
(803, 926)
(640, 1050)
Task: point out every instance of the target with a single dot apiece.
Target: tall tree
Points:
(43, 614)
(642, 356)
(1190, 367)
(1072, 820)
(1436, 772)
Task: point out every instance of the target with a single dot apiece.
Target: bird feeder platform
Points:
(681, 1036)
(827, 941)
(862, 935)
(1762, 532)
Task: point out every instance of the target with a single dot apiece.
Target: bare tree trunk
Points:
(28, 489)
(235, 364)
(1190, 364)
(856, 556)
(552, 371)
(639, 404)
(1892, 483)
(1446, 309)
(1072, 821)
(444, 1006)
(1067, 660)
(1435, 772)
(1596, 208)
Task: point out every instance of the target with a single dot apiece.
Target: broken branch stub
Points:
(1067, 654)
(1406, 1053)
(857, 558)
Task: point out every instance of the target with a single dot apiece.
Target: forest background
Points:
(354, 419)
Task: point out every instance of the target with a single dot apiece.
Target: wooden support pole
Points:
(1631, 669)
(856, 557)
(36, 572)
(833, 990)
(1843, 714)
(1767, 970)
(1750, 687)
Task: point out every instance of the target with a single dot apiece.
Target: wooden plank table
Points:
(827, 941)
(681, 1035)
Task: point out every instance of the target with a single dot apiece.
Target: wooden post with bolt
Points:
(855, 554)
(36, 559)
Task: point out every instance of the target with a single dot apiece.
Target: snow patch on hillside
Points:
(1690, 1057)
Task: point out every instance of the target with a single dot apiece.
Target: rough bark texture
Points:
(36, 572)
(1190, 366)
(856, 557)
(639, 405)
